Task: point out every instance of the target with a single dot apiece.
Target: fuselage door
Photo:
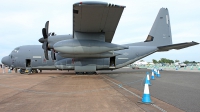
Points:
(28, 62)
(112, 62)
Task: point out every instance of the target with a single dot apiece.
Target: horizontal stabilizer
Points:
(177, 46)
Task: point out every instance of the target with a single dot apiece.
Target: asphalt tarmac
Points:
(63, 91)
(178, 88)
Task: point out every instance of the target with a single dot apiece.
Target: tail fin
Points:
(160, 33)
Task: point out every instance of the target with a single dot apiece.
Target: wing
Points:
(96, 17)
(177, 46)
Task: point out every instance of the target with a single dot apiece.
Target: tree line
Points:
(165, 60)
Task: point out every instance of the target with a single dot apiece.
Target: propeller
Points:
(44, 40)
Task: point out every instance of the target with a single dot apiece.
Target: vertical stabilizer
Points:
(160, 33)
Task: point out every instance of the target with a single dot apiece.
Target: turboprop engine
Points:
(49, 39)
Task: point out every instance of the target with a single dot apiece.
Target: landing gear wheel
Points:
(34, 71)
(22, 71)
(79, 73)
(91, 73)
(30, 71)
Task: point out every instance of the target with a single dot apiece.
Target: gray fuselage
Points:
(33, 56)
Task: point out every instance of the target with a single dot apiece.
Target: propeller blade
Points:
(47, 27)
(45, 47)
(44, 33)
(42, 40)
(53, 56)
(46, 54)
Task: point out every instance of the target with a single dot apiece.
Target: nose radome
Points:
(5, 60)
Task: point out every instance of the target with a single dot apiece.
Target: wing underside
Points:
(95, 17)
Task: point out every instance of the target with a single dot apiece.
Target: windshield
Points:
(16, 50)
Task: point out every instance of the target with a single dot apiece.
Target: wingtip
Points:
(193, 42)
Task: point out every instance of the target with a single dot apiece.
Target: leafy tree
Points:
(177, 61)
(186, 62)
(164, 60)
(154, 61)
(193, 61)
(171, 61)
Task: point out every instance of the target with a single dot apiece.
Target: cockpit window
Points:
(16, 50)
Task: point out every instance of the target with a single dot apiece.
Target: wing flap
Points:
(96, 17)
(177, 46)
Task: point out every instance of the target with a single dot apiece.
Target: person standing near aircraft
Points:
(3, 67)
(15, 70)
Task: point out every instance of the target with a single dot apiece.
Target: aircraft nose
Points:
(5, 60)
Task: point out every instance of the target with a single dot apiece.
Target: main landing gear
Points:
(28, 71)
(86, 73)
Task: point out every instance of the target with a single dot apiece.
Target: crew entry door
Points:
(28, 62)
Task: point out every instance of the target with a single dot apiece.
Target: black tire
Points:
(22, 71)
(34, 71)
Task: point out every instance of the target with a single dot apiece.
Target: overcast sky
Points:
(21, 23)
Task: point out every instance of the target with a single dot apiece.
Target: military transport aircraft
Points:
(89, 48)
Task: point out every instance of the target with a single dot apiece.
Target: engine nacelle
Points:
(53, 39)
(102, 55)
(74, 46)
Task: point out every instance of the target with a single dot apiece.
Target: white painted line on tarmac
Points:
(159, 108)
